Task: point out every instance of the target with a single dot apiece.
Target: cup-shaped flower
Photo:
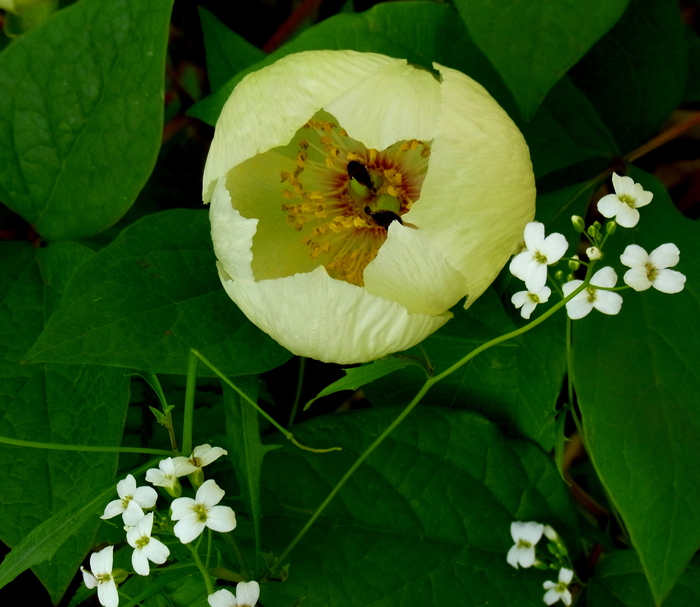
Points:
(559, 591)
(247, 594)
(146, 548)
(166, 476)
(193, 515)
(591, 297)
(100, 575)
(651, 269)
(531, 264)
(202, 455)
(527, 301)
(623, 204)
(356, 198)
(132, 501)
(525, 536)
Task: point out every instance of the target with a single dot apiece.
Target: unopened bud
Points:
(594, 253)
(196, 478)
(574, 264)
(610, 227)
(578, 223)
(559, 275)
(594, 230)
(550, 534)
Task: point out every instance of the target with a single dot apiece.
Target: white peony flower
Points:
(559, 591)
(651, 269)
(247, 594)
(623, 204)
(100, 575)
(525, 536)
(531, 264)
(527, 301)
(356, 198)
(132, 501)
(606, 302)
(193, 515)
(146, 548)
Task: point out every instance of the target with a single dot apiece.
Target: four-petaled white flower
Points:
(623, 204)
(247, 594)
(591, 297)
(355, 199)
(132, 501)
(559, 591)
(531, 264)
(525, 536)
(527, 301)
(100, 575)
(166, 475)
(146, 548)
(195, 514)
(651, 269)
(202, 455)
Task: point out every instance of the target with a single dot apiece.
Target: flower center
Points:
(524, 544)
(627, 199)
(102, 578)
(591, 294)
(539, 257)
(336, 200)
(201, 511)
(651, 272)
(534, 297)
(142, 542)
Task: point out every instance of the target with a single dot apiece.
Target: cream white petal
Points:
(634, 255)
(182, 507)
(88, 579)
(669, 281)
(112, 509)
(566, 575)
(528, 531)
(139, 561)
(637, 278)
(609, 205)
(188, 529)
(126, 486)
(665, 256)
(207, 454)
(534, 235)
(623, 184)
(156, 551)
(222, 598)
(512, 556)
(520, 298)
(554, 247)
(607, 302)
(551, 596)
(410, 270)
(316, 316)
(605, 277)
(101, 562)
(396, 102)
(221, 518)
(133, 514)
(479, 191)
(107, 594)
(626, 216)
(251, 121)
(210, 493)
(247, 593)
(145, 497)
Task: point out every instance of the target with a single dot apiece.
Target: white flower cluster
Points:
(522, 554)
(192, 516)
(646, 269)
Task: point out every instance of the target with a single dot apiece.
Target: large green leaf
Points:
(150, 296)
(533, 44)
(636, 75)
(637, 380)
(424, 521)
(67, 404)
(81, 114)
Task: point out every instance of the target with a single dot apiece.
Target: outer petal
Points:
(579, 306)
(222, 598)
(528, 309)
(182, 507)
(251, 123)
(605, 277)
(530, 532)
(566, 575)
(156, 551)
(512, 556)
(537, 278)
(207, 454)
(608, 302)
(247, 593)
(634, 255)
(551, 596)
(89, 579)
(479, 169)
(139, 561)
(133, 514)
(188, 529)
(183, 466)
(107, 594)
(210, 493)
(521, 264)
(609, 205)
(410, 270)
(534, 235)
(554, 247)
(126, 486)
(669, 281)
(526, 557)
(101, 562)
(626, 216)
(520, 298)
(221, 518)
(112, 509)
(665, 256)
(145, 497)
(623, 184)
(637, 278)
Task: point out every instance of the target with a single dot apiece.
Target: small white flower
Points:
(559, 591)
(100, 575)
(202, 455)
(525, 536)
(593, 253)
(132, 501)
(166, 476)
(247, 594)
(650, 270)
(623, 204)
(606, 302)
(195, 514)
(146, 548)
(527, 301)
(531, 264)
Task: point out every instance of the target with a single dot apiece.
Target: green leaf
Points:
(424, 521)
(637, 380)
(636, 75)
(227, 52)
(247, 453)
(692, 87)
(359, 376)
(82, 112)
(533, 44)
(68, 404)
(150, 296)
(515, 384)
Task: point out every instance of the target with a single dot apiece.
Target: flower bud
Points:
(578, 223)
(594, 230)
(559, 275)
(611, 227)
(594, 253)
(573, 264)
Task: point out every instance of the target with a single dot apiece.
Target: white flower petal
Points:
(605, 277)
(526, 557)
(566, 597)
(520, 265)
(623, 185)
(89, 579)
(396, 102)
(566, 575)
(530, 532)
(222, 598)
(554, 247)
(133, 514)
(634, 255)
(101, 562)
(182, 507)
(669, 281)
(251, 123)
(551, 596)
(637, 278)
(537, 277)
(156, 551)
(145, 497)
(221, 518)
(139, 561)
(209, 494)
(410, 270)
(609, 205)
(112, 509)
(206, 454)
(156, 477)
(608, 302)
(665, 256)
(626, 216)
(520, 298)
(188, 529)
(534, 235)
(247, 593)
(512, 556)
(183, 466)
(126, 486)
(107, 594)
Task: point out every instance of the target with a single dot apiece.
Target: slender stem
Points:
(297, 396)
(95, 449)
(231, 541)
(208, 548)
(288, 435)
(416, 399)
(188, 422)
(664, 137)
(200, 565)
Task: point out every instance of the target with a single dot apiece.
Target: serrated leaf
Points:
(82, 111)
(150, 296)
(637, 381)
(67, 404)
(533, 44)
(424, 521)
(635, 76)
(359, 376)
(227, 52)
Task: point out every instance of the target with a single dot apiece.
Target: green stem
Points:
(297, 396)
(204, 571)
(208, 548)
(96, 449)
(188, 422)
(416, 399)
(231, 541)
(288, 435)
